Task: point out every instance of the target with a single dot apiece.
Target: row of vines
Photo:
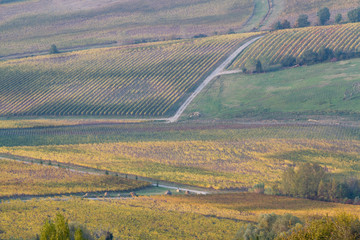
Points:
(139, 80)
(273, 47)
(216, 164)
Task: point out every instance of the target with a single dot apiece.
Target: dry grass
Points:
(18, 178)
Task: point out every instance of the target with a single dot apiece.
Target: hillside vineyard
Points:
(274, 46)
(139, 80)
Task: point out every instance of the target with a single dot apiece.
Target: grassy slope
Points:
(32, 179)
(44, 23)
(290, 94)
(185, 217)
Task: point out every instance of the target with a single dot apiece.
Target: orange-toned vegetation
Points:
(17, 178)
(218, 164)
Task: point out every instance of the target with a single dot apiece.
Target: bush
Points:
(308, 57)
(284, 25)
(269, 226)
(200, 35)
(325, 54)
(338, 18)
(288, 61)
(277, 26)
(259, 188)
(53, 49)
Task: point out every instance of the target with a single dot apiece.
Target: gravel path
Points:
(215, 73)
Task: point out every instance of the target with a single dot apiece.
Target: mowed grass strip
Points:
(141, 80)
(17, 178)
(330, 89)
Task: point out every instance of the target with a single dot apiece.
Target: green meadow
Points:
(331, 89)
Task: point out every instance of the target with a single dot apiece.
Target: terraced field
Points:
(272, 48)
(139, 80)
(18, 179)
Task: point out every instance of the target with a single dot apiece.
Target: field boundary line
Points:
(218, 71)
(95, 171)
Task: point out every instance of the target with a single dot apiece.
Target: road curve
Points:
(215, 73)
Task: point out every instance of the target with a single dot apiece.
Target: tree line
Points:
(60, 229)
(312, 181)
(324, 54)
(288, 227)
(323, 17)
(308, 57)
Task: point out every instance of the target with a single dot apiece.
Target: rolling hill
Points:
(32, 26)
(135, 80)
(276, 45)
(321, 91)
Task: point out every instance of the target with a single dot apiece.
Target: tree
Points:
(288, 182)
(304, 182)
(61, 230)
(285, 24)
(354, 15)
(323, 15)
(48, 231)
(302, 21)
(53, 49)
(322, 193)
(338, 18)
(258, 67)
(342, 226)
(269, 226)
(78, 235)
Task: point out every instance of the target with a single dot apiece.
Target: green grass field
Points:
(330, 89)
